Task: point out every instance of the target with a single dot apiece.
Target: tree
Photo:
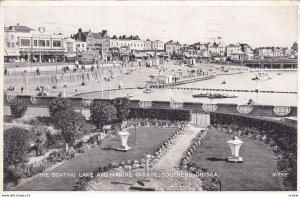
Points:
(70, 124)
(18, 108)
(103, 114)
(122, 105)
(59, 104)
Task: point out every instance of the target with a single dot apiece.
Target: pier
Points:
(181, 82)
(227, 90)
(272, 63)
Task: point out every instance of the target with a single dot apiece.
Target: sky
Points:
(257, 26)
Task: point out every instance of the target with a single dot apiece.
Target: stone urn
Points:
(124, 138)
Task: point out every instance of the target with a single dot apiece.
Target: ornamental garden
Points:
(65, 151)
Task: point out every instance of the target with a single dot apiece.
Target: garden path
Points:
(174, 155)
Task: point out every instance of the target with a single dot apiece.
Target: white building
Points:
(132, 44)
(157, 45)
(160, 79)
(36, 45)
(80, 46)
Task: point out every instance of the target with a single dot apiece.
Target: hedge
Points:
(160, 114)
(122, 105)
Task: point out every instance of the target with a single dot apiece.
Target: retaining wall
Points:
(38, 106)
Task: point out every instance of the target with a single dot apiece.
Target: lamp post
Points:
(27, 81)
(235, 144)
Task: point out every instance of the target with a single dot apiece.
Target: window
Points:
(35, 43)
(42, 43)
(12, 37)
(7, 44)
(81, 45)
(56, 43)
(13, 45)
(25, 42)
(47, 43)
(78, 45)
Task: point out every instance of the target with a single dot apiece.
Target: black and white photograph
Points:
(150, 96)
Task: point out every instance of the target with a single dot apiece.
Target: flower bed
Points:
(145, 122)
(209, 179)
(129, 165)
(31, 168)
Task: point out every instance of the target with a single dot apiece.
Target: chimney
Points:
(18, 24)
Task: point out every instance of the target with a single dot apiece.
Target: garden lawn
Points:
(254, 174)
(148, 140)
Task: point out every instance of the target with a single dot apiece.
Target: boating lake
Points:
(287, 81)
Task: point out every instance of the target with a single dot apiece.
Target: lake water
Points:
(287, 81)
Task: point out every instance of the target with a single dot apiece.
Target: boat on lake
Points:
(262, 75)
(214, 95)
(147, 90)
(229, 95)
(201, 95)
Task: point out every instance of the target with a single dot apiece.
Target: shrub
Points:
(59, 156)
(70, 124)
(42, 137)
(122, 105)
(103, 114)
(18, 108)
(17, 141)
(87, 128)
(40, 120)
(59, 104)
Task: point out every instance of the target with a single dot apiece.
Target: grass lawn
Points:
(148, 140)
(254, 174)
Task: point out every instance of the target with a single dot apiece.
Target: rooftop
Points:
(19, 28)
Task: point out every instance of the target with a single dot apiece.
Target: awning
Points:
(163, 55)
(43, 52)
(11, 53)
(140, 55)
(124, 54)
(70, 55)
(238, 53)
(150, 53)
